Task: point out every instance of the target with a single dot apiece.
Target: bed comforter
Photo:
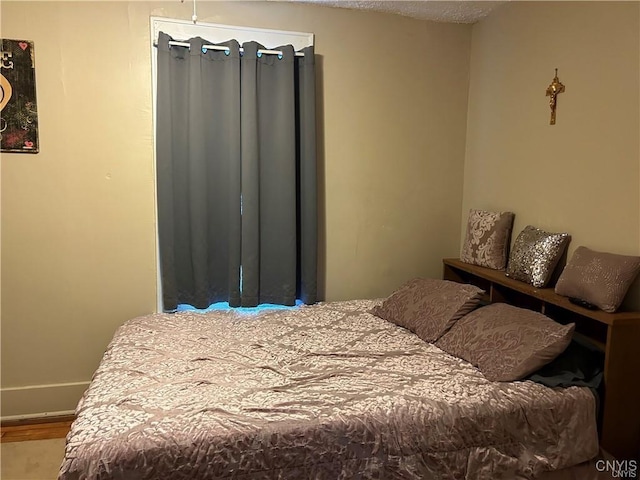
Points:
(326, 392)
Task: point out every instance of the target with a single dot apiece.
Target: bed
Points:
(325, 391)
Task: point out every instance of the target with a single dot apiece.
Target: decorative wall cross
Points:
(553, 90)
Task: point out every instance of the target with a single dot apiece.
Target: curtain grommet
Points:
(259, 54)
(279, 56)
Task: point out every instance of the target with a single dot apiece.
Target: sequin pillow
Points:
(599, 278)
(429, 307)
(535, 254)
(487, 240)
(506, 343)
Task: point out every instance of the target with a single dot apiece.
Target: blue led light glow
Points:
(225, 306)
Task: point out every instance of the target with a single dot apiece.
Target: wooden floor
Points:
(41, 429)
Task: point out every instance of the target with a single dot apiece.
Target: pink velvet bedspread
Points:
(327, 391)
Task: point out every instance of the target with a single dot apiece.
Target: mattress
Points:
(326, 391)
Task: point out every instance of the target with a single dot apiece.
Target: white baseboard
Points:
(34, 401)
(64, 413)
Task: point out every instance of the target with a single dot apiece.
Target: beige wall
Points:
(78, 231)
(582, 175)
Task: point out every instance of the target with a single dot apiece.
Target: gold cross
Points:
(553, 90)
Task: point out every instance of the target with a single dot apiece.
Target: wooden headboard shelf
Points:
(617, 334)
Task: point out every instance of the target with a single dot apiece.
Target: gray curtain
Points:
(236, 175)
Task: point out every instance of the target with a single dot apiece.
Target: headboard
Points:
(617, 334)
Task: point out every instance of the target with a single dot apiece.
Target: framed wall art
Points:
(18, 108)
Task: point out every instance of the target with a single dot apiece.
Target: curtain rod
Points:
(221, 48)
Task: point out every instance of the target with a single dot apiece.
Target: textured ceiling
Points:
(457, 11)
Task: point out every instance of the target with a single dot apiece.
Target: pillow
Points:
(429, 307)
(505, 342)
(535, 255)
(487, 239)
(599, 278)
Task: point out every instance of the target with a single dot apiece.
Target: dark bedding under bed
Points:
(326, 391)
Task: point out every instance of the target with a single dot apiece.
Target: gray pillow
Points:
(535, 254)
(487, 240)
(506, 343)
(599, 278)
(429, 307)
